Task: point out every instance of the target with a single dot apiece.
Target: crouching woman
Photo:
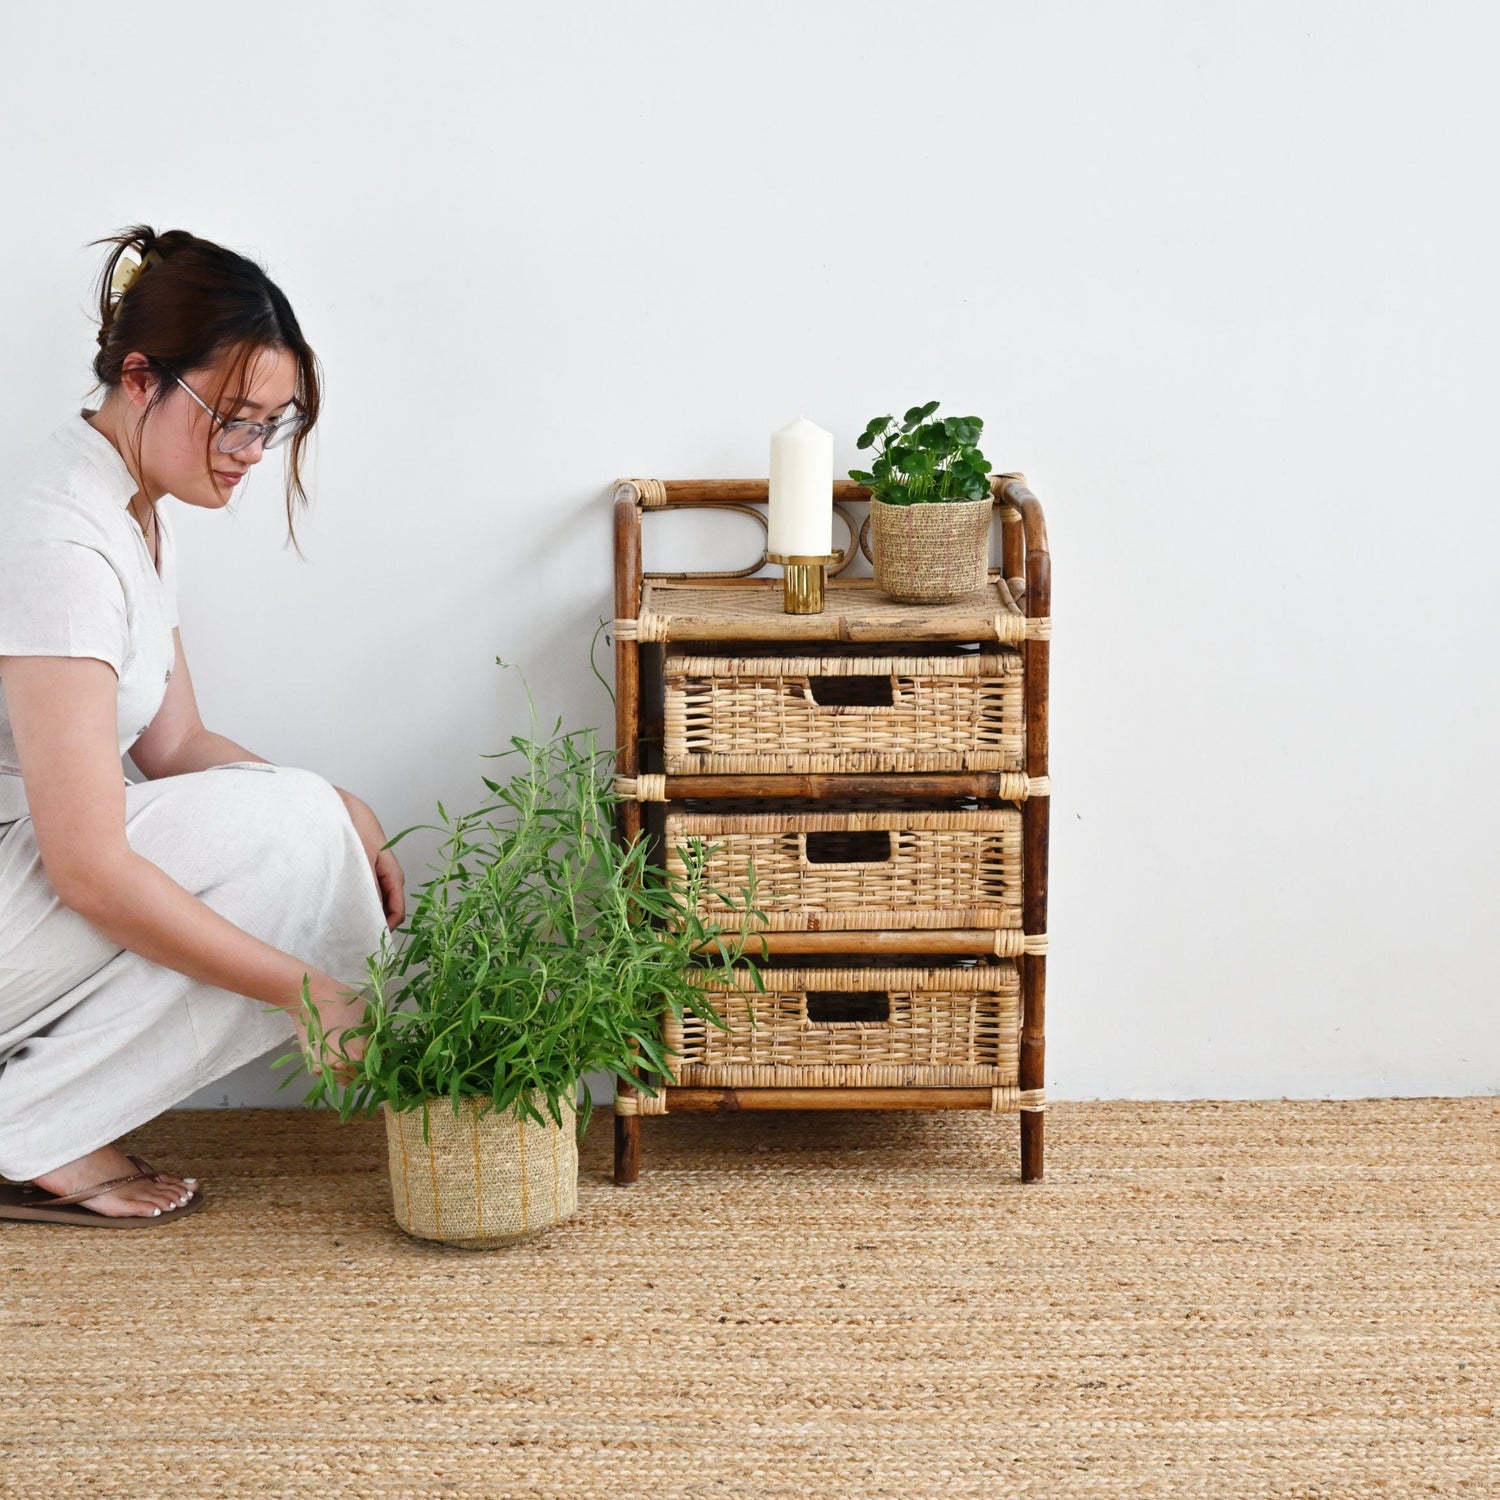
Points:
(145, 928)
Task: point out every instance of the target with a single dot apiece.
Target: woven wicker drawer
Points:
(856, 1027)
(843, 714)
(819, 868)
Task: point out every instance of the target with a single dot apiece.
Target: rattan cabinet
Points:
(882, 768)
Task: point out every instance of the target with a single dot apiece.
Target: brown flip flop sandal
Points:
(24, 1200)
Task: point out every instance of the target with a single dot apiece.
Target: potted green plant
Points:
(930, 505)
(542, 948)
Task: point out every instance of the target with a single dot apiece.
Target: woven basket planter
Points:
(842, 714)
(822, 870)
(933, 552)
(480, 1179)
(856, 1028)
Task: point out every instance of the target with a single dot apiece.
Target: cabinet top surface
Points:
(854, 610)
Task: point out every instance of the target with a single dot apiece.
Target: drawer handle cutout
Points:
(846, 1007)
(846, 847)
(852, 692)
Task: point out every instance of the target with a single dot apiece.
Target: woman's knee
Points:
(243, 816)
(301, 797)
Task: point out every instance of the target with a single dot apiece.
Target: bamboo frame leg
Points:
(1033, 1069)
(1036, 820)
(628, 1127)
(627, 1145)
(628, 756)
(1033, 1124)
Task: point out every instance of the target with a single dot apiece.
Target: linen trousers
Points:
(96, 1039)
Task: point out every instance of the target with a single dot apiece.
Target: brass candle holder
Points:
(803, 582)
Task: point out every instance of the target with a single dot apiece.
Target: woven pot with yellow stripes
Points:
(480, 1178)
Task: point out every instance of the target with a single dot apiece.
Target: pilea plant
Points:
(541, 949)
(921, 460)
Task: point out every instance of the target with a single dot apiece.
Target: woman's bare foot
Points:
(149, 1197)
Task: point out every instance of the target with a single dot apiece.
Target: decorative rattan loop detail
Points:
(756, 514)
(851, 547)
(1034, 944)
(1039, 629)
(640, 1104)
(1008, 514)
(625, 630)
(1038, 786)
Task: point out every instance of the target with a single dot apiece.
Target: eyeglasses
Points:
(239, 434)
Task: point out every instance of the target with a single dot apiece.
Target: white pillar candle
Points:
(801, 496)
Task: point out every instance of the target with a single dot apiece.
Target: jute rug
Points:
(1231, 1299)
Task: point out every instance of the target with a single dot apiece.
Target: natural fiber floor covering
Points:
(1203, 1299)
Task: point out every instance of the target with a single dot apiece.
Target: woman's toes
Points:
(178, 1190)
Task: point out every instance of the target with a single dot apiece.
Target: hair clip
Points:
(127, 271)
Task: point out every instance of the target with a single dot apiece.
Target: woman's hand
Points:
(338, 1007)
(390, 881)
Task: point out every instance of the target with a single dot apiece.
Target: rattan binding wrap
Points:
(934, 869)
(726, 714)
(635, 1103)
(1010, 1100)
(953, 1026)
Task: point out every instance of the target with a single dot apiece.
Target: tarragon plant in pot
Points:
(930, 505)
(542, 948)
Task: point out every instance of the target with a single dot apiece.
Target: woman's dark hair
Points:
(192, 305)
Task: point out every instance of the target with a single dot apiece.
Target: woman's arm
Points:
(176, 741)
(62, 712)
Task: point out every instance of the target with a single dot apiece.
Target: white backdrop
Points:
(1220, 278)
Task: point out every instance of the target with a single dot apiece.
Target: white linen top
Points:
(77, 579)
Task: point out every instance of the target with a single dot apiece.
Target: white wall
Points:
(1219, 277)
